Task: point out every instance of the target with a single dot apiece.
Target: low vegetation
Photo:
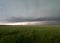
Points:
(30, 34)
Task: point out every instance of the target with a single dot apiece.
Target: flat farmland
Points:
(30, 34)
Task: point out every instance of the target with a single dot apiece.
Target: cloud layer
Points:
(19, 19)
(28, 9)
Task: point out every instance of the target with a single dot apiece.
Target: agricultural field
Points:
(30, 34)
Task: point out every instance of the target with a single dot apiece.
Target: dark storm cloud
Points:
(44, 21)
(53, 22)
(26, 10)
(20, 19)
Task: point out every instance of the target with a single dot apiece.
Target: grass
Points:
(30, 34)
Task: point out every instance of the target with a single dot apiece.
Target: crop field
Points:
(30, 34)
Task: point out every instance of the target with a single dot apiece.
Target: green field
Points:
(30, 34)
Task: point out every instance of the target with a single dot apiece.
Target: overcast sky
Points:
(29, 8)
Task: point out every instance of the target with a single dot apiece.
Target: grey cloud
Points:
(20, 19)
(43, 20)
(20, 10)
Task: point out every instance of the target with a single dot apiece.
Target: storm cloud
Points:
(19, 19)
(29, 10)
